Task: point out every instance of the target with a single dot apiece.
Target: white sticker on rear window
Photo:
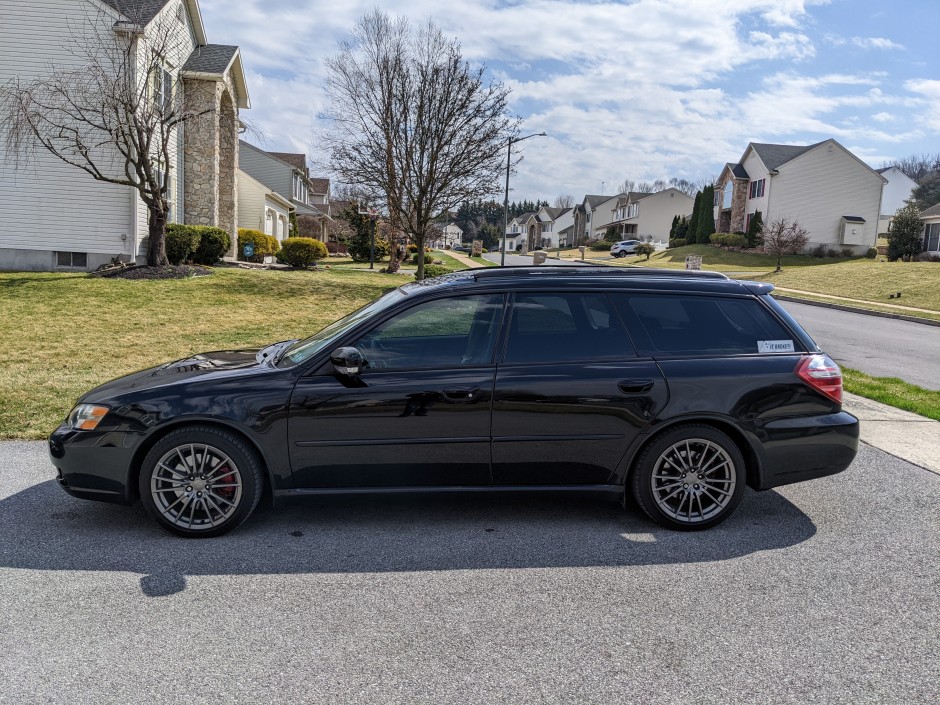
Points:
(770, 346)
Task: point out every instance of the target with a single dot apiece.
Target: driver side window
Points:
(452, 332)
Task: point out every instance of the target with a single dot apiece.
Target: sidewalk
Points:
(463, 259)
(904, 435)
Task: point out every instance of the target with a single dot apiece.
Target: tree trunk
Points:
(419, 241)
(156, 227)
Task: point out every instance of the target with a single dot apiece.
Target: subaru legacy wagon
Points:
(678, 389)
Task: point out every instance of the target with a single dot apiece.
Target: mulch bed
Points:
(179, 271)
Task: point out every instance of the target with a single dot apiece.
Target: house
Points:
(564, 228)
(586, 213)
(260, 208)
(516, 236)
(832, 193)
(451, 235)
(649, 216)
(931, 218)
(286, 173)
(56, 217)
(896, 192)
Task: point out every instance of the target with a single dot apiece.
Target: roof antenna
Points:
(602, 187)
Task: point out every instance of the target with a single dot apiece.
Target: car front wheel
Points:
(200, 481)
(692, 477)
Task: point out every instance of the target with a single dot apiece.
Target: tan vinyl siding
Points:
(819, 187)
(655, 214)
(270, 171)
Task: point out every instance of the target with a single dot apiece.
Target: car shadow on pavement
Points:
(42, 528)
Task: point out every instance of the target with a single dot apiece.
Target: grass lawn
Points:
(860, 279)
(894, 392)
(65, 333)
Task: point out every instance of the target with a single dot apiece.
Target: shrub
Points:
(754, 229)
(905, 240)
(301, 251)
(181, 242)
(359, 249)
(264, 244)
(601, 246)
(872, 253)
(427, 258)
(213, 244)
(612, 235)
(819, 251)
(645, 248)
(848, 252)
(434, 270)
(336, 248)
(412, 248)
(832, 252)
(728, 239)
(927, 257)
(677, 242)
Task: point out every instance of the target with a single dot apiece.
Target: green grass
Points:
(62, 334)
(858, 278)
(894, 392)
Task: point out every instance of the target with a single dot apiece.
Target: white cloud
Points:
(648, 89)
(930, 90)
(875, 43)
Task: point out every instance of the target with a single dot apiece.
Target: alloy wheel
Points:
(693, 480)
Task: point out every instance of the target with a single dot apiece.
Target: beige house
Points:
(832, 193)
(56, 217)
(649, 216)
(260, 208)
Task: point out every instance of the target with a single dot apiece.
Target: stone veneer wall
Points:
(738, 216)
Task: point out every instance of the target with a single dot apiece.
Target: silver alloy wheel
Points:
(693, 480)
(196, 486)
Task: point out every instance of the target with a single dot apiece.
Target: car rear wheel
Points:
(200, 481)
(692, 477)
(621, 254)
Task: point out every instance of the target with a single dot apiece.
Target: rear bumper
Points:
(806, 448)
(92, 465)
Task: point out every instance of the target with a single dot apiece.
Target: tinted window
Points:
(565, 328)
(442, 333)
(696, 325)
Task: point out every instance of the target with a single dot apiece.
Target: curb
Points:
(855, 309)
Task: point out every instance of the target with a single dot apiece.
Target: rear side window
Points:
(565, 328)
(702, 325)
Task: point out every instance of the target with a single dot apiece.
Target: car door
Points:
(570, 392)
(417, 415)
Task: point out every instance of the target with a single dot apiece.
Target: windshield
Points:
(307, 348)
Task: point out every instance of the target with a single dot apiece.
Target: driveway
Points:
(824, 592)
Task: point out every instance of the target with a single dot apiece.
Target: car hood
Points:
(219, 363)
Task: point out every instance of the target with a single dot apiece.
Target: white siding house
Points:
(897, 191)
(648, 216)
(55, 216)
(260, 208)
(833, 194)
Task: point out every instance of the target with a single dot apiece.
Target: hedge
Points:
(677, 242)
(181, 242)
(728, 239)
(301, 251)
(434, 270)
(213, 244)
(264, 244)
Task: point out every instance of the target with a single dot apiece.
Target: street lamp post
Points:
(502, 259)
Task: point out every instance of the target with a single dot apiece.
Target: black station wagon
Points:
(678, 389)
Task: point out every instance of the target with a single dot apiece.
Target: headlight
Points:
(86, 417)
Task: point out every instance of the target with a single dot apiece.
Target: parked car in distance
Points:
(676, 388)
(461, 248)
(623, 248)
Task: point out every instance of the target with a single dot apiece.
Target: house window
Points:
(269, 223)
(161, 84)
(180, 14)
(300, 188)
(726, 195)
(633, 210)
(757, 189)
(71, 259)
(932, 239)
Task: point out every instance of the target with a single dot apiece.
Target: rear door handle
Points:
(461, 393)
(635, 386)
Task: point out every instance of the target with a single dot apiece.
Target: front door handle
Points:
(460, 393)
(635, 386)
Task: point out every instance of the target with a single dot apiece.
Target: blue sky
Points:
(642, 90)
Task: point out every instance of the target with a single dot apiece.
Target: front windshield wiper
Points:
(272, 351)
(285, 346)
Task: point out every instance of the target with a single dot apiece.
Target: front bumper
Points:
(94, 465)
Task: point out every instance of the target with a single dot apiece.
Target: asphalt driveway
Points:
(825, 592)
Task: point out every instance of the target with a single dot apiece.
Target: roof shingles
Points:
(211, 58)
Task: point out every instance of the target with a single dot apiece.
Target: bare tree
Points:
(413, 123)
(917, 166)
(645, 187)
(565, 200)
(687, 187)
(784, 237)
(115, 118)
(626, 186)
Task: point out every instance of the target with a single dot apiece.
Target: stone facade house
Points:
(55, 216)
(832, 193)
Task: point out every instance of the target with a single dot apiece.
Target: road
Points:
(522, 261)
(884, 347)
(825, 592)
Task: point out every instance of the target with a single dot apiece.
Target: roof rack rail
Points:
(588, 270)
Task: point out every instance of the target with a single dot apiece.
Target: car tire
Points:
(621, 254)
(692, 477)
(201, 481)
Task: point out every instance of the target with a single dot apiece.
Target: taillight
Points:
(822, 374)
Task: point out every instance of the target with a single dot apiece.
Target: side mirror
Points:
(347, 361)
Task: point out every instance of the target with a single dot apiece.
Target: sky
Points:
(640, 89)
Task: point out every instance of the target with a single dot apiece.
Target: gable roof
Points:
(931, 212)
(776, 155)
(298, 161)
(143, 12)
(553, 213)
(320, 185)
(594, 200)
(211, 58)
(737, 171)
